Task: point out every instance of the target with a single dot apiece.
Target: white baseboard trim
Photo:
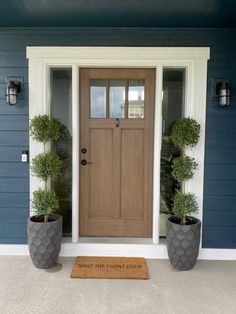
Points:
(152, 251)
(14, 249)
(217, 254)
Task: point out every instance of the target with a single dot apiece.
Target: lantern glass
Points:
(12, 91)
(223, 91)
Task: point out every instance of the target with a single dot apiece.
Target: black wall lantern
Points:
(12, 90)
(223, 92)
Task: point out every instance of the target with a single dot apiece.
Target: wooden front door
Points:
(116, 152)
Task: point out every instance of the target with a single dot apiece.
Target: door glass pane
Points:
(136, 99)
(97, 98)
(173, 96)
(61, 109)
(117, 98)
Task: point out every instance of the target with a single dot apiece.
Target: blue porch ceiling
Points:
(118, 13)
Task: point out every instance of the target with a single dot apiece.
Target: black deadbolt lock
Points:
(83, 150)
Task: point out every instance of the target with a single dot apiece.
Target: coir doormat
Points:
(110, 267)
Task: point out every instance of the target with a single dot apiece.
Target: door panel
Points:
(132, 160)
(101, 173)
(117, 132)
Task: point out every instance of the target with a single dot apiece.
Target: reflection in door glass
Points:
(97, 98)
(172, 110)
(136, 99)
(61, 108)
(117, 98)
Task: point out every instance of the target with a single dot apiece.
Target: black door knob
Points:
(84, 162)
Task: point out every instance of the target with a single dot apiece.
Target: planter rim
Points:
(55, 218)
(196, 221)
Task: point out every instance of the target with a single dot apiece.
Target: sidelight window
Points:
(61, 109)
(173, 102)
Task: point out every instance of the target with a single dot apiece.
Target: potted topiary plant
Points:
(45, 227)
(183, 230)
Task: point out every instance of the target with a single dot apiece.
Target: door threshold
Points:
(115, 240)
(109, 240)
(111, 246)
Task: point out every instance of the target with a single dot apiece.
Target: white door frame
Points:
(193, 59)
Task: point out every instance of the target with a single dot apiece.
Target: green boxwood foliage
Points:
(185, 132)
(43, 130)
(183, 168)
(184, 204)
(46, 165)
(45, 202)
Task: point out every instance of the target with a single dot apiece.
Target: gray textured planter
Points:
(44, 241)
(183, 243)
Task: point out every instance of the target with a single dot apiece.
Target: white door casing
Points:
(193, 59)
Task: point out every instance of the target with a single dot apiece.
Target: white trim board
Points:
(117, 53)
(150, 251)
(193, 59)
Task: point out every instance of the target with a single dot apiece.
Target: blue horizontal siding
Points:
(219, 203)
(14, 170)
(223, 172)
(14, 138)
(11, 154)
(14, 185)
(13, 39)
(221, 124)
(214, 233)
(14, 214)
(221, 218)
(13, 72)
(12, 200)
(14, 123)
(222, 187)
(13, 229)
(220, 158)
(214, 110)
(11, 59)
(214, 244)
(14, 239)
(21, 108)
(220, 141)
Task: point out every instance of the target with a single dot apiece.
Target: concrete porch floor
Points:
(209, 288)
